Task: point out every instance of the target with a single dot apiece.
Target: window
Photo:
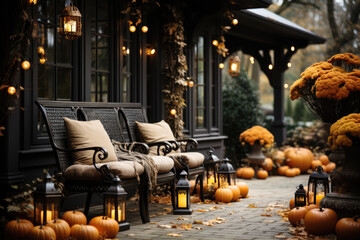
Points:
(127, 52)
(200, 109)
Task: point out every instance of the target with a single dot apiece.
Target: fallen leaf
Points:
(280, 236)
(133, 210)
(198, 222)
(266, 215)
(252, 206)
(164, 226)
(154, 222)
(131, 235)
(202, 210)
(215, 208)
(174, 235)
(197, 228)
(168, 209)
(182, 218)
(151, 216)
(269, 221)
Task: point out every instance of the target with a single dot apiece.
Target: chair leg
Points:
(172, 189)
(144, 200)
(87, 203)
(201, 187)
(196, 183)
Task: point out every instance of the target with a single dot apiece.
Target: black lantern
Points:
(318, 186)
(115, 204)
(182, 205)
(226, 174)
(234, 66)
(211, 165)
(300, 196)
(47, 201)
(70, 23)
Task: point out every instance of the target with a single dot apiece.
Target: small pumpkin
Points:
(223, 195)
(280, 156)
(262, 174)
(18, 229)
(74, 217)
(324, 159)
(331, 166)
(311, 206)
(290, 172)
(282, 170)
(292, 203)
(235, 191)
(244, 188)
(268, 164)
(61, 228)
(297, 171)
(248, 173)
(315, 163)
(84, 232)
(320, 221)
(41, 233)
(348, 228)
(299, 157)
(296, 216)
(239, 172)
(107, 227)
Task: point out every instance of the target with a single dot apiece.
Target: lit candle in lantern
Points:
(48, 216)
(113, 215)
(234, 67)
(182, 199)
(70, 26)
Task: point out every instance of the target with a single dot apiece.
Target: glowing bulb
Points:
(144, 29)
(132, 28)
(153, 51)
(25, 65)
(235, 21)
(221, 65)
(33, 1)
(292, 48)
(286, 85)
(289, 65)
(11, 90)
(41, 50)
(252, 60)
(173, 111)
(191, 83)
(42, 60)
(215, 43)
(270, 66)
(186, 83)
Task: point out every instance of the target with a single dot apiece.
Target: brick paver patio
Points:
(242, 222)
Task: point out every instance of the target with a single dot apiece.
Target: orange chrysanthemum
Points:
(343, 130)
(257, 133)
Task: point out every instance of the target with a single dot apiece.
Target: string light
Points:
(215, 43)
(11, 90)
(191, 83)
(132, 28)
(33, 1)
(289, 64)
(173, 111)
(286, 85)
(221, 65)
(292, 48)
(42, 60)
(235, 21)
(25, 65)
(252, 60)
(270, 66)
(41, 50)
(144, 29)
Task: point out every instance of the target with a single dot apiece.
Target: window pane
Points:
(93, 87)
(63, 50)
(63, 84)
(200, 118)
(103, 17)
(50, 44)
(200, 48)
(46, 81)
(200, 96)
(103, 81)
(103, 54)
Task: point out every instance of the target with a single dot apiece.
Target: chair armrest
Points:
(188, 144)
(164, 147)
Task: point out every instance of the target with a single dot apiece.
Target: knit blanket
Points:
(124, 152)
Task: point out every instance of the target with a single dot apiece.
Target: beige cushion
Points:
(155, 132)
(163, 164)
(192, 159)
(124, 169)
(83, 134)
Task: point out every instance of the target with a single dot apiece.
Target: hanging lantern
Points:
(300, 196)
(211, 165)
(234, 66)
(115, 204)
(47, 200)
(70, 23)
(318, 186)
(226, 174)
(182, 203)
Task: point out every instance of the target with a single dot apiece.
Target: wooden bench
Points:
(112, 119)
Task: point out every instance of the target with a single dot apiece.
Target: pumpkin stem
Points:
(321, 209)
(17, 220)
(41, 226)
(73, 211)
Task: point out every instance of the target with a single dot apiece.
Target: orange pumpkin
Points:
(41, 233)
(239, 172)
(18, 229)
(279, 158)
(290, 172)
(268, 164)
(282, 170)
(320, 221)
(331, 166)
(262, 174)
(248, 173)
(311, 206)
(297, 171)
(296, 216)
(223, 195)
(84, 232)
(324, 159)
(292, 203)
(299, 157)
(107, 227)
(74, 217)
(348, 228)
(244, 188)
(235, 191)
(315, 163)
(61, 228)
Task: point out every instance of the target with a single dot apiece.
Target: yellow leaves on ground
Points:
(252, 205)
(174, 235)
(300, 234)
(217, 220)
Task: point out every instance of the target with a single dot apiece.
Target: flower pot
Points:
(256, 156)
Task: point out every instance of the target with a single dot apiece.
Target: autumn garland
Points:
(257, 133)
(330, 88)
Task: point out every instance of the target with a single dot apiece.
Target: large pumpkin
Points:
(268, 164)
(244, 188)
(239, 172)
(348, 228)
(299, 157)
(235, 191)
(262, 174)
(248, 173)
(74, 217)
(61, 228)
(107, 227)
(223, 195)
(315, 163)
(296, 216)
(41, 233)
(18, 229)
(84, 232)
(320, 221)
